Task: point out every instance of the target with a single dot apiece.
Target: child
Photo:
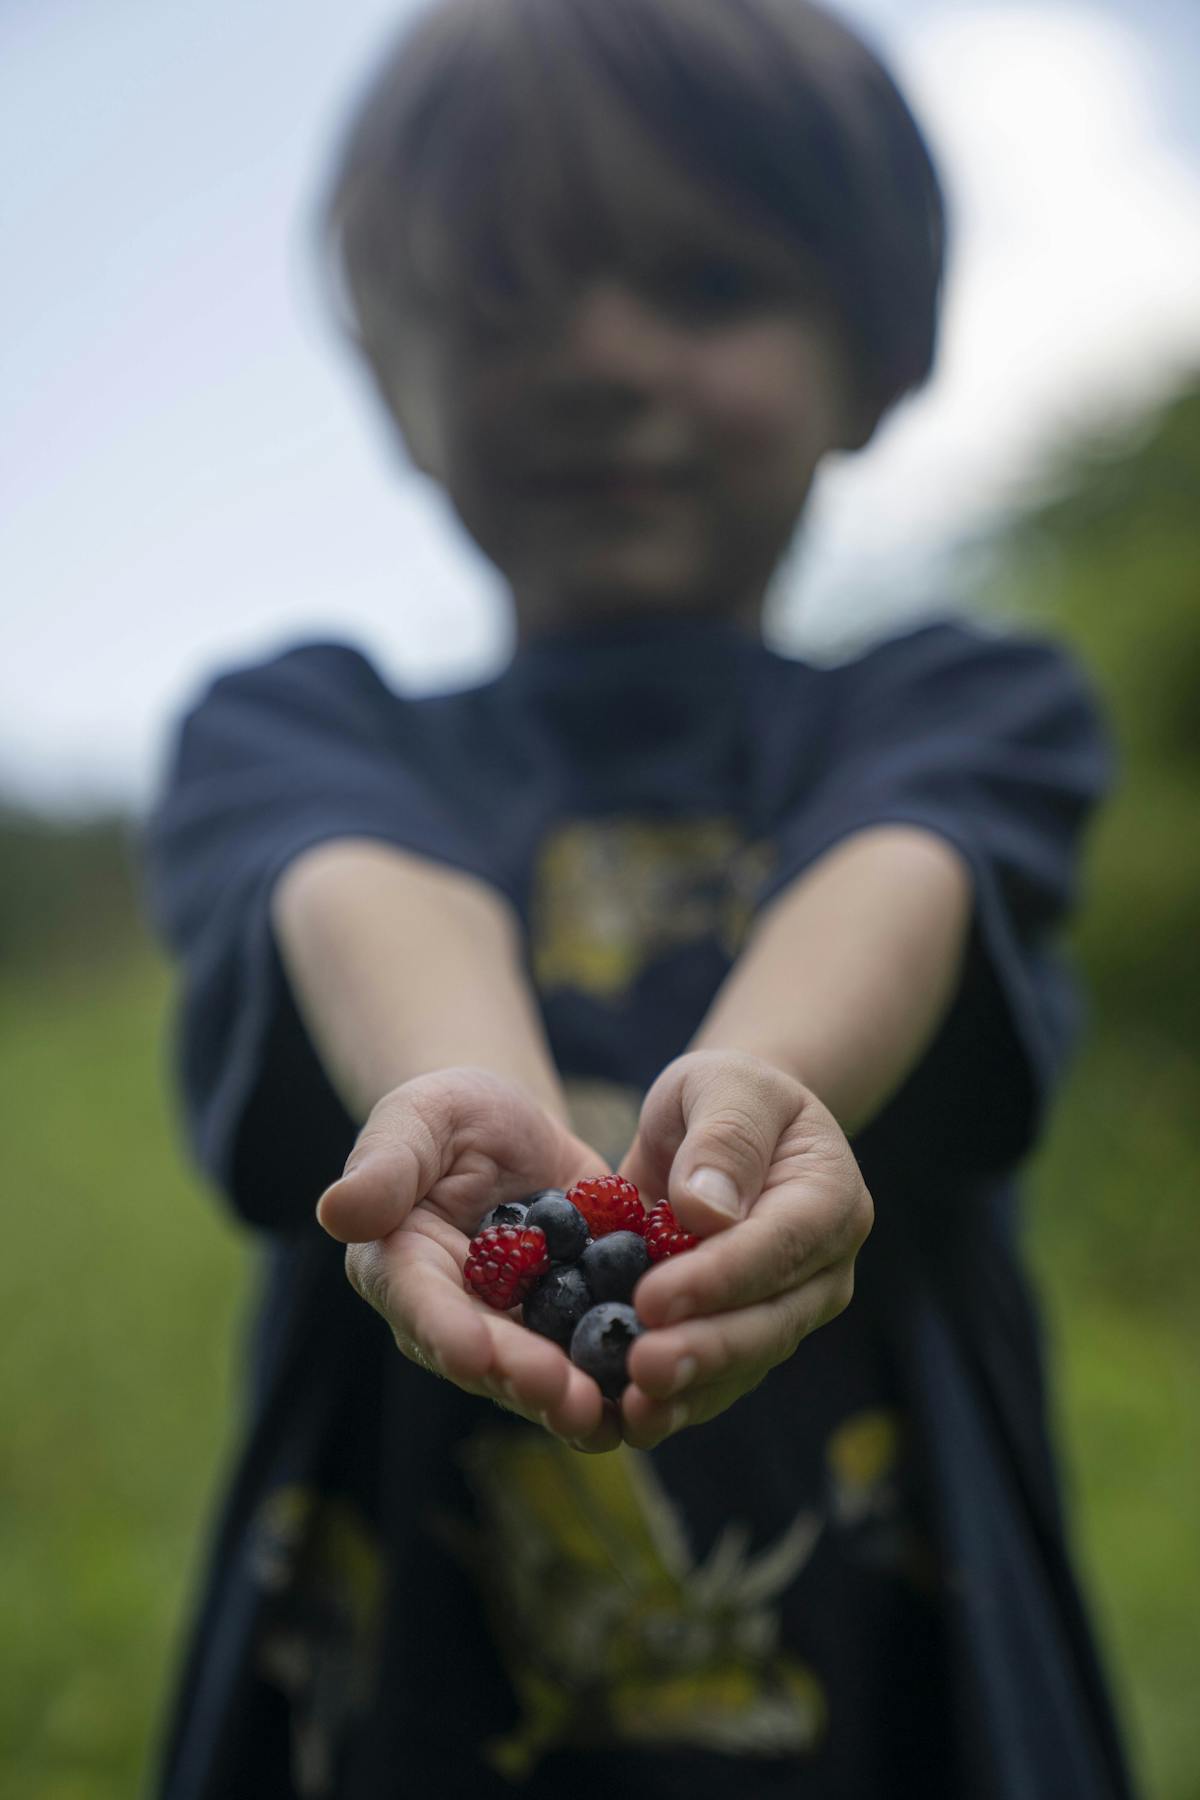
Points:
(625, 272)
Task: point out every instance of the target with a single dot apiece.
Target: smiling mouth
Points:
(612, 482)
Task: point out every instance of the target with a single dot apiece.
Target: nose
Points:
(610, 335)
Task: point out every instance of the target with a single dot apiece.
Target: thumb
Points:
(720, 1168)
(712, 1120)
(373, 1196)
(398, 1155)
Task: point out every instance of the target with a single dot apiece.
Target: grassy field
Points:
(123, 1287)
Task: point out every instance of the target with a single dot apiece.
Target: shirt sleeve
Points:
(272, 760)
(997, 745)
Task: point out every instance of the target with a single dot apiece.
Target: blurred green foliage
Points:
(1109, 560)
(124, 1286)
(68, 895)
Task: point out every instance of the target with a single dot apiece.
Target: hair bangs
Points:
(503, 187)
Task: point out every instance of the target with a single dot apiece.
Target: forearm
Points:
(851, 970)
(400, 967)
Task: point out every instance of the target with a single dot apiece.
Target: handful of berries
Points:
(571, 1260)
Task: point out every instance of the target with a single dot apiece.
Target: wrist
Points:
(851, 969)
(401, 968)
(527, 1086)
(829, 1079)
(774, 1063)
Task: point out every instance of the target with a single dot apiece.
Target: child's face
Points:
(649, 448)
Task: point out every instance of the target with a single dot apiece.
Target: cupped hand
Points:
(754, 1164)
(434, 1156)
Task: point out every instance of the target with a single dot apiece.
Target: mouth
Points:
(619, 483)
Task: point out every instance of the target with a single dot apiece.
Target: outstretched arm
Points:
(409, 979)
(830, 1006)
(851, 969)
(400, 967)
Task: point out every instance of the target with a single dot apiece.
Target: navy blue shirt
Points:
(852, 1583)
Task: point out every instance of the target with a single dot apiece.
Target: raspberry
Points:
(608, 1203)
(505, 1263)
(663, 1235)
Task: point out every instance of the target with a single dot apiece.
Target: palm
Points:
(462, 1146)
(740, 1302)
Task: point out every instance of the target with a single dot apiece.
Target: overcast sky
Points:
(193, 474)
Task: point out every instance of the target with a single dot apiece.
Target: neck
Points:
(540, 615)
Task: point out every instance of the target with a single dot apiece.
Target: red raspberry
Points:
(505, 1263)
(608, 1203)
(663, 1235)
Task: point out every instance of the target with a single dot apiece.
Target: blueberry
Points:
(557, 1304)
(612, 1264)
(600, 1344)
(509, 1212)
(564, 1225)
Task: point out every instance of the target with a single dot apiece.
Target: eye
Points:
(707, 288)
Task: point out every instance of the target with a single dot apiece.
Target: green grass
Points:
(1114, 1240)
(123, 1287)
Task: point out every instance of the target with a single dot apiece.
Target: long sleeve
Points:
(995, 744)
(272, 760)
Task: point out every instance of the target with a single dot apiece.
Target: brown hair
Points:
(488, 162)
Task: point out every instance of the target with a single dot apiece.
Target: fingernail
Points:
(681, 1307)
(685, 1370)
(716, 1189)
(678, 1418)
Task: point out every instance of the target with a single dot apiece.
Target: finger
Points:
(538, 1381)
(800, 1225)
(368, 1202)
(707, 1135)
(700, 1376)
(682, 1358)
(646, 1423)
(414, 1281)
(606, 1437)
(403, 1149)
(463, 1138)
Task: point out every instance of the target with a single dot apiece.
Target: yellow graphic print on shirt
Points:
(319, 1568)
(866, 1503)
(611, 1632)
(610, 1629)
(610, 896)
